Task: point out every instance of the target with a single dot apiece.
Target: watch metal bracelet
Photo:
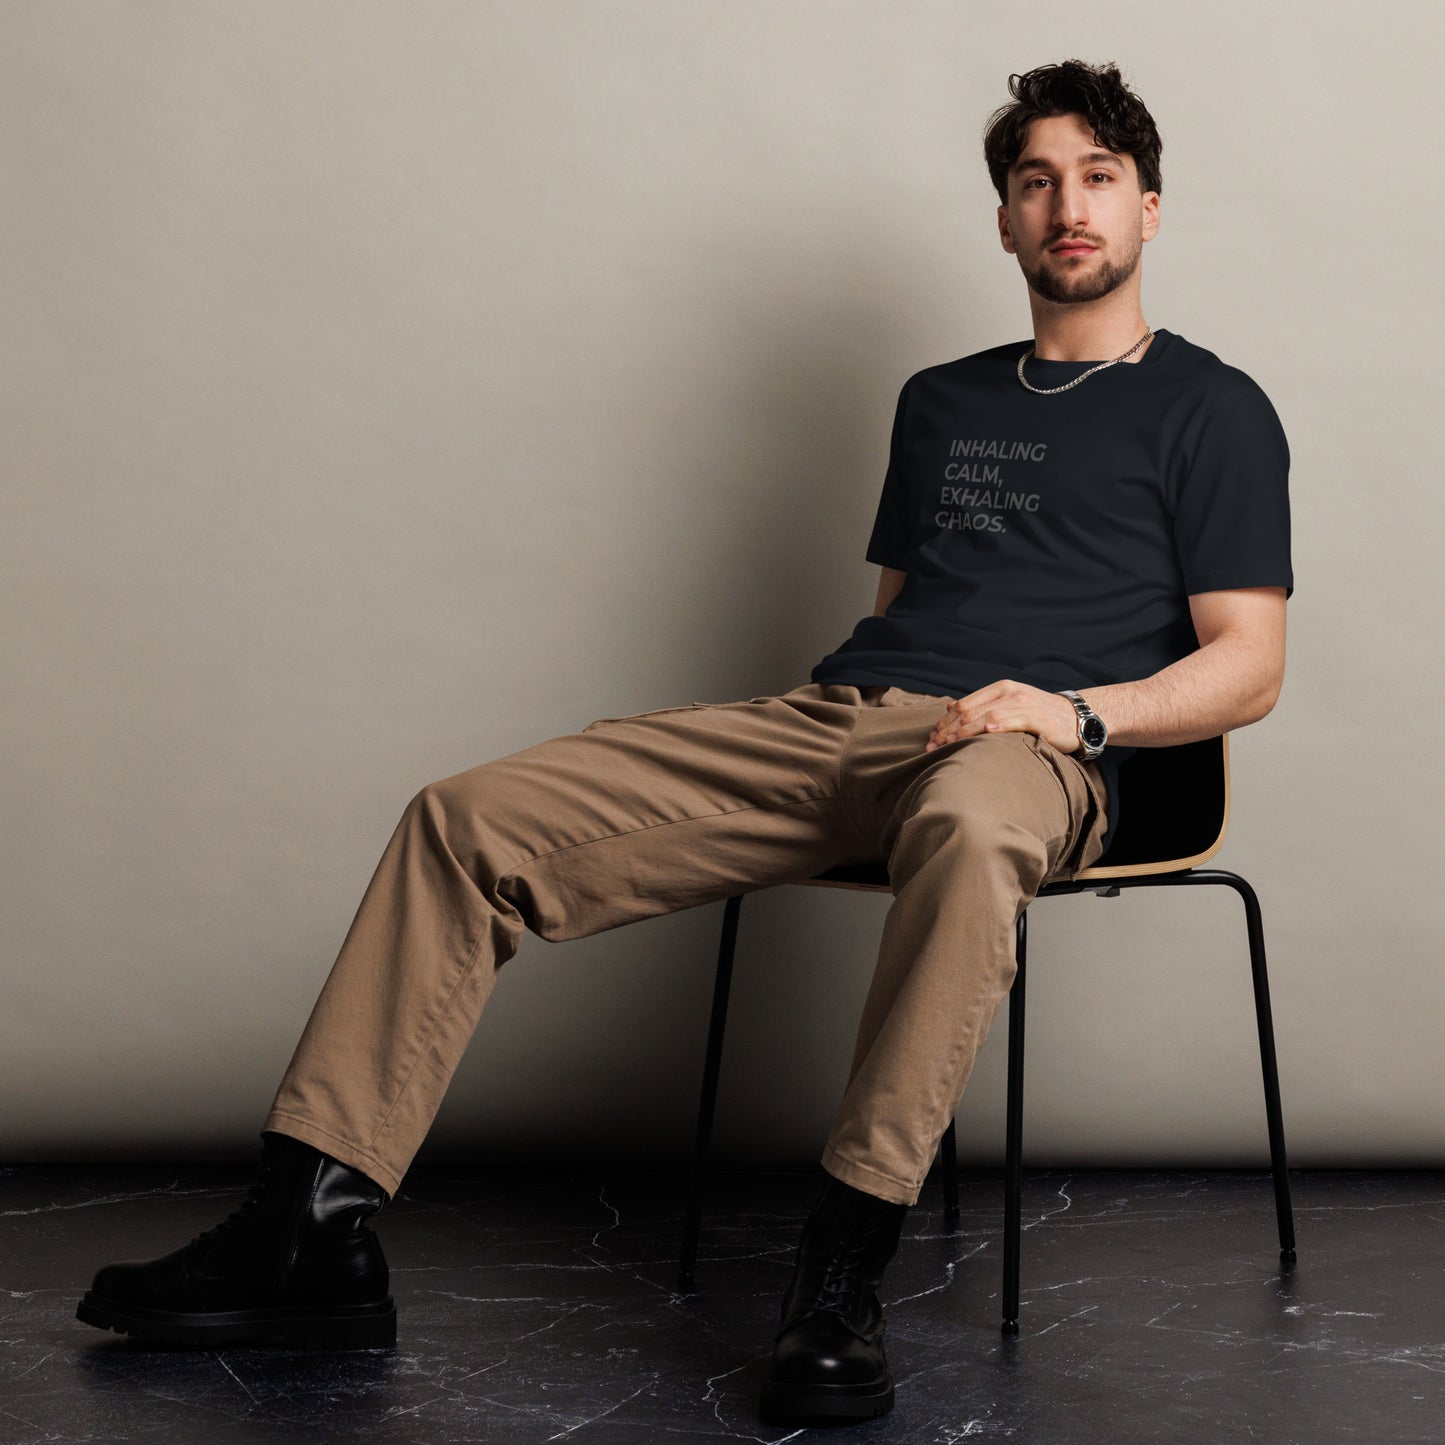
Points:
(1093, 732)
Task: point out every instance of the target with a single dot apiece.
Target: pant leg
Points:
(971, 831)
(628, 819)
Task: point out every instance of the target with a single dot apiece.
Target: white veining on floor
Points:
(536, 1309)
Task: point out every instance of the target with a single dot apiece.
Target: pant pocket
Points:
(1092, 847)
(634, 716)
(1083, 843)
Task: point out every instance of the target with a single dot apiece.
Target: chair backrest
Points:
(1173, 809)
(1173, 813)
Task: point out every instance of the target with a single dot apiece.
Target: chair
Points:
(1174, 809)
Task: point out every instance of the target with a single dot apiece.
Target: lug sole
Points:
(785, 1401)
(296, 1327)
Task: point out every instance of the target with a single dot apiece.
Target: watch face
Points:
(1094, 732)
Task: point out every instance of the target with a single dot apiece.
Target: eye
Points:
(1105, 175)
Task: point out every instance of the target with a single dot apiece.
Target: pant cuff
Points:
(869, 1180)
(352, 1155)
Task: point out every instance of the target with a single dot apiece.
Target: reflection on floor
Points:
(542, 1306)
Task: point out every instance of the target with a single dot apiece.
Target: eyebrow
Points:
(1089, 158)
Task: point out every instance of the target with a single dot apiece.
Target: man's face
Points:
(1064, 188)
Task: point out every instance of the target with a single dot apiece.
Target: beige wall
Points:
(389, 386)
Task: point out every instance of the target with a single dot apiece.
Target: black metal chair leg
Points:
(707, 1102)
(1013, 1150)
(1268, 1064)
(948, 1163)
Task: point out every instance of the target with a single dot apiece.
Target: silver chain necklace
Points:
(1051, 390)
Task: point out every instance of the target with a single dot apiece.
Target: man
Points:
(1085, 549)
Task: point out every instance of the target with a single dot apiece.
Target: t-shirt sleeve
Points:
(888, 544)
(1231, 523)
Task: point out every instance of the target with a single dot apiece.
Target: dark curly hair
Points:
(1097, 92)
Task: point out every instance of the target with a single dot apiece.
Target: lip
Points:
(1072, 248)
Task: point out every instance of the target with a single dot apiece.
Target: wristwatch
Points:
(1092, 732)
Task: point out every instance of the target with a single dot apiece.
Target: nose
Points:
(1070, 204)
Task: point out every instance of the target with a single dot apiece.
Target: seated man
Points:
(1084, 541)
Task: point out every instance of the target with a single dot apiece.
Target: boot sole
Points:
(785, 1401)
(298, 1327)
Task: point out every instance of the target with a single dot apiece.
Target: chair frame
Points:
(1207, 760)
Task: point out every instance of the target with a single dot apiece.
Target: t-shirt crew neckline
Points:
(1161, 339)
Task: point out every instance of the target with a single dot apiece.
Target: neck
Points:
(1071, 336)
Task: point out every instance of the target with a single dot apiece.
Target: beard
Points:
(1057, 278)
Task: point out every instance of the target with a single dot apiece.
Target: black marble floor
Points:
(542, 1307)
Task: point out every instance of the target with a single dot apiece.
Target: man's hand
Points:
(1007, 706)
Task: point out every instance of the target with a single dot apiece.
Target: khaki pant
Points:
(639, 816)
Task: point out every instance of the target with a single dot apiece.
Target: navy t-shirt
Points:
(1055, 540)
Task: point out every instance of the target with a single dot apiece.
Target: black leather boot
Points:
(294, 1265)
(828, 1360)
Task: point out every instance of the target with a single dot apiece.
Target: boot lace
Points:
(835, 1290)
(242, 1214)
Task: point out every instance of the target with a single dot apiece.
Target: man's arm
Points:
(890, 584)
(1234, 679)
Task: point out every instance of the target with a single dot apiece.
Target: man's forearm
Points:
(1214, 690)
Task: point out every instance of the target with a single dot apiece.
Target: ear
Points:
(1004, 234)
(1150, 204)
